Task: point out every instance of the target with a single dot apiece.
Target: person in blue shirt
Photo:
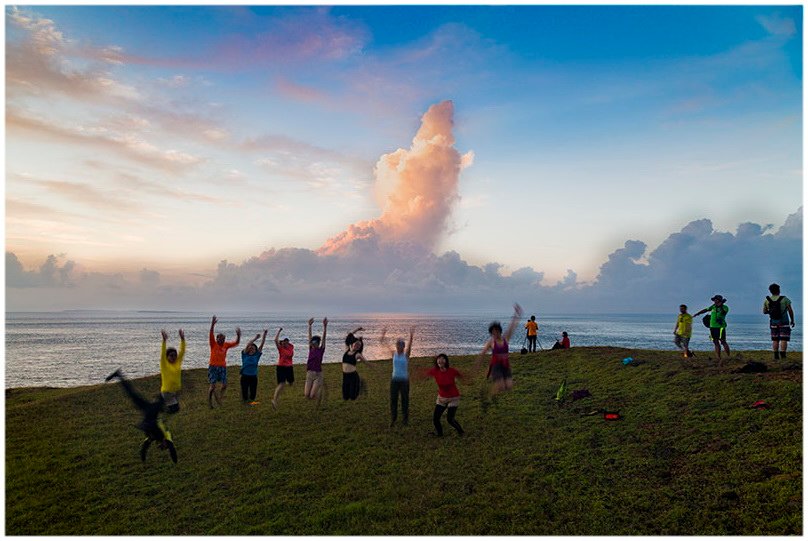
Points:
(400, 382)
(249, 368)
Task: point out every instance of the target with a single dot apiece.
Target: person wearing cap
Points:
(781, 320)
(285, 372)
(718, 324)
(171, 372)
(217, 367)
(400, 382)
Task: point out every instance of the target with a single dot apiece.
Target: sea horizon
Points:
(74, 348)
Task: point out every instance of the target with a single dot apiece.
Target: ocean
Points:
(73, 348)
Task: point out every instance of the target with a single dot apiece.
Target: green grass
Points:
(690, 456)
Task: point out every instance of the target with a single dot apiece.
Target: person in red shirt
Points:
(448, 394)
(217, 368)
(284, 371)
(564, 343)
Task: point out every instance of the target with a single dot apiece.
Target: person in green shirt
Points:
(683, 331)
(781, 320)
(718, 324)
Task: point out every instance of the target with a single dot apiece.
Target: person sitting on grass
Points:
(564, 343)
(171, 372)
(151, 424)
(217, 367)
(683, 330)
(315, 385)
(250, 356)
(285, 371)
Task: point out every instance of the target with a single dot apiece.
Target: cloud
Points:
(777, 25)
(44, 61)
(127, 145)
(689, 267)
(49, 274)
(418, 186)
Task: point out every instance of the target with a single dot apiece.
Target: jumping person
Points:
(217, 368)
(250, 356)
(400, 382)
(448, 394)
(351, 383)
(718, 324)
(171, 372)
(499, 369)
(285, 371)
(532, 334)
(683, 330)
(780, 314)
(151, 424)
(314, 387)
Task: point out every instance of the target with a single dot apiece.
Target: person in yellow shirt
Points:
(532, 333)
(171, 372)
(683, 331)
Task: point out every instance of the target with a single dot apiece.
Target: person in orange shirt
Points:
(217, 368)
(532, 333)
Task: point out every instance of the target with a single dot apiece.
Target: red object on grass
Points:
(760, 405)
(611, 416)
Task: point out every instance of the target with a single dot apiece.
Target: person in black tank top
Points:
(351, 383)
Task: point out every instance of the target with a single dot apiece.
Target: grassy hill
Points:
(689, 457)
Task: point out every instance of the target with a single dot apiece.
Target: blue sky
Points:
(229, 131)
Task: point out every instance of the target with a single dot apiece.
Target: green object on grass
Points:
(562, 390)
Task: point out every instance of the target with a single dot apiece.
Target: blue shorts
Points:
(216, 374)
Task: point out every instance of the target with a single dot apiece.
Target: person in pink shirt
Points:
(284, 370)
(217, 367)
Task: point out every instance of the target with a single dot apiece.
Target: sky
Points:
(401, 157)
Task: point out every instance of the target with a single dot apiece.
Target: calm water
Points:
(68, 349)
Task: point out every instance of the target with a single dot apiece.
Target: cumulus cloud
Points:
(689, 267)
(419, 187)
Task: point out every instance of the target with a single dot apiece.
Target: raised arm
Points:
(181, 352)
(700, 312)
(164, 346)
(278, 335)
(356, 330)
(325, 330)
(211, 338)
(310, 322)
(238, 337)
(517, 315)
(409, 342)
(252, 341)
(263, 339)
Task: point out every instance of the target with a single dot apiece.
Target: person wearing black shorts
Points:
(284, 371)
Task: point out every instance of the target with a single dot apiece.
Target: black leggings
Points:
(249, 387)
(449, 417)
(350, 385)
(399, 387)
(150, 410)
(531, 343)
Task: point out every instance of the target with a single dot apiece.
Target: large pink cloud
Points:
(418, 187)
